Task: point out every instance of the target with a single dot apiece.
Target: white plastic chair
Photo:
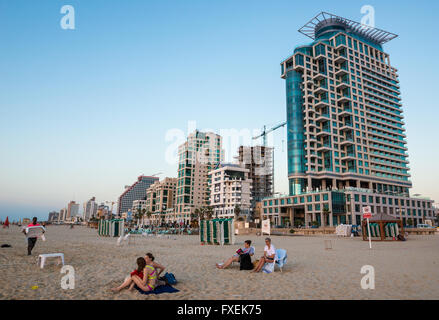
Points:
(43, 257)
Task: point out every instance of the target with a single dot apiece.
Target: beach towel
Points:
(268, 267)
(160, 289)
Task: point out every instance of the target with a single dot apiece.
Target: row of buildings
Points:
(203, 181)
(70, 213)
(347, 145)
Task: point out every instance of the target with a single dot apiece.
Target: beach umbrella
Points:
(7, 222)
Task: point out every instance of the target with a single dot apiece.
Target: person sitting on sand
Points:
(149, 258)
(248, 249)
(268, 257)
(145, 276)
(141, 264)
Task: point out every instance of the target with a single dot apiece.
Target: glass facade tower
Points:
(344, 112)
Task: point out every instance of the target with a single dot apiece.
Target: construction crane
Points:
(156, 174)
(265, 132)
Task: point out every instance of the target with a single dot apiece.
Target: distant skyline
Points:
(84, 112)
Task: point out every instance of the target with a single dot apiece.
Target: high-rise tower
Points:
(200, 154)
(346, 136)
(344, 112)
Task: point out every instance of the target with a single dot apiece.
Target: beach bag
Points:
(170, 278)
(255, 264)
(245, 262)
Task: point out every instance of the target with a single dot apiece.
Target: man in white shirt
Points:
(268, 257)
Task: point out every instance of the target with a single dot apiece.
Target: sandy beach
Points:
(403, 270)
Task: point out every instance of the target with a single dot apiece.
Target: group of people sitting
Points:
(268, 257)
(145, 277)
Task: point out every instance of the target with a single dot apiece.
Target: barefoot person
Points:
(141, 264)
(33, 240)
(150, 279)
(248, 249)
(145, 276)
(268, 257)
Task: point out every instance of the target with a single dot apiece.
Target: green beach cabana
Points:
(111, 228)
(217, 231)
(383, 227)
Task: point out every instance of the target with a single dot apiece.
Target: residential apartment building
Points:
(90, 209)
(62, 214)
(72, 211)
(53, 216)
(346, 135)
(230, 188)
(137, 191)
(259, 161)
(160, 200)
(197, 156)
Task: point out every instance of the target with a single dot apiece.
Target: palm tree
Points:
(325, 212)
(209, 212)
(138, 215)
(202, 211)
(148, 215)
(143, 216)
(237, 211)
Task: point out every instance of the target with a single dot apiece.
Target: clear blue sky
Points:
(83, 112)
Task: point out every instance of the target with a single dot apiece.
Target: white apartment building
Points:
(230, 187)
(201, 153)
(90, 209)
(72, 211)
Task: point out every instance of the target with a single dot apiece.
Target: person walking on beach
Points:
(31, 241)
(248, 249)
(268, 257)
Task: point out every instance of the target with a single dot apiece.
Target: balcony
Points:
(321, 89)
(342, 85)
(346, 126)
(313, 154)
(340, 59)
(348, 156)
(319, 76)
(345, 112)
(344, 98)
(323, 132)
(322, 103)
(341, 45)
(347, 142)
(324, 147)
(341, 72)
(323, 117)
(298, 67)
